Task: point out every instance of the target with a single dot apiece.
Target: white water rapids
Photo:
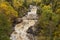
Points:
(20, 29)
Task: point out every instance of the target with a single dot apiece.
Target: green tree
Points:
(5, 27)
(47, 21)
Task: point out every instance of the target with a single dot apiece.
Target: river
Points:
(29, 20)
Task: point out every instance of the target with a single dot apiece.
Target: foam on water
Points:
(21, 28)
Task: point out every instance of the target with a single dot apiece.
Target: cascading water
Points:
(29, 20)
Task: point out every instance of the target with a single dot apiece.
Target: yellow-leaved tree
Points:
(8, 10)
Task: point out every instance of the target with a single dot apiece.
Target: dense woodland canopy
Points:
(48, 14)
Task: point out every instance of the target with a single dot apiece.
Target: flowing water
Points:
(29, 20)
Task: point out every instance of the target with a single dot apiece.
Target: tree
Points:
(55, 5)
(5, 27)
(8, 10)
(17, 3)
(48, 21)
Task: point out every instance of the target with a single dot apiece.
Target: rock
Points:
(19, 20)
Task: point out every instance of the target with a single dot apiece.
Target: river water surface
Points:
(29, 20)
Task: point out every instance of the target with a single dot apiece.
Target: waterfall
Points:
(29, 20)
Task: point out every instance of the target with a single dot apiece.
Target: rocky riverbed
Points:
(29, 20)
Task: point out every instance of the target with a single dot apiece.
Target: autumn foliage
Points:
(48, 17)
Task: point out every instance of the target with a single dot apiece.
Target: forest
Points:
(48, 17)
